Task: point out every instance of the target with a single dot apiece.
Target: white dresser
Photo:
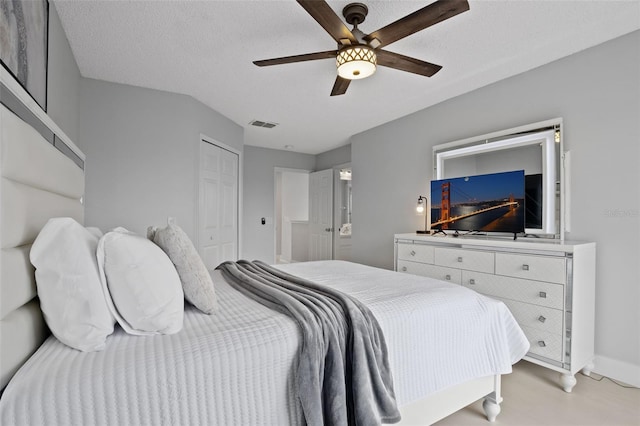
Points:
(549, 286)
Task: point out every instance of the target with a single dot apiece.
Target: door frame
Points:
(212, 141)
(277, 170)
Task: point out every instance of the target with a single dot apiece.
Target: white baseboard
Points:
(617, 370)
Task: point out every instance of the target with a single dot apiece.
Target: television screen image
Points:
(488, 203)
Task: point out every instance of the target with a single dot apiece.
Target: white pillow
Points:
(196, 281)
(145, 289)
(71, 296)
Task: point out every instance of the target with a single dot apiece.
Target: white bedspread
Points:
(438, 334)
(235, 366)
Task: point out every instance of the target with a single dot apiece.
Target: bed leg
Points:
(491, 407)
(491, 403)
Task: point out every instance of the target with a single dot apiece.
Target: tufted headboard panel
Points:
(37, 182)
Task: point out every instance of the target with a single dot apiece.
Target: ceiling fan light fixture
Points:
(356, 62)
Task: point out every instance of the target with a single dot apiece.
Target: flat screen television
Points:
(485, 203)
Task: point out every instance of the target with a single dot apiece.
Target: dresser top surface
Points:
(486, 241)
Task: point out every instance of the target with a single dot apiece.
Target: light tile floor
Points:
(532, 396)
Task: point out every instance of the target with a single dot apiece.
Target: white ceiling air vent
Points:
(265, 124)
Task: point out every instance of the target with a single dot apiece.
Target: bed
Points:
(447, 345)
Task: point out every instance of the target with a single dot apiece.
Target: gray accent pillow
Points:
(196, 280)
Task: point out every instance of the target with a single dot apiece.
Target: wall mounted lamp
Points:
(421, 208)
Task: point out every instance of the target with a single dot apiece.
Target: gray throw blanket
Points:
(343, 375)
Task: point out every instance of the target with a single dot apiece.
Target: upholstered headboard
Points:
(38, 181)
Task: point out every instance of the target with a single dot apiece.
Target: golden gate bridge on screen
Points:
(445, 210)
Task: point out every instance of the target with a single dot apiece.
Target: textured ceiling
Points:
(205, 49)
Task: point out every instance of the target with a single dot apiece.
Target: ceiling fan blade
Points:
(329, 54)
(417, 21)
(327, 18)
(406, 63)
(340, 86)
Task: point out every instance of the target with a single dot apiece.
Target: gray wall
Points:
(142, 147)
(258, 241)
(337, 156)
(597, 92)
(63, 80)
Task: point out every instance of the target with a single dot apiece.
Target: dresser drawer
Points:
(536, 292)
(544, 344)
(534, 316)
(541, 268)
(415, 252)
(472, 260)
(432, 271)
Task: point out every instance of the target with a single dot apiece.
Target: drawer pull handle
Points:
(541, 343)
(460, 259)
(525, 267)
(543, 294)
(404, 269)
(472, 281)
(413, 253)
(541, 318)
(447, 277)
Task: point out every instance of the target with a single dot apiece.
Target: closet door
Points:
(218, 205)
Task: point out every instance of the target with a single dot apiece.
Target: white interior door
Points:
(218, 205)
(321, 215)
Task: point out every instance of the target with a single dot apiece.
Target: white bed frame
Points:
(441, 404)
(40, 181)
(37, 182)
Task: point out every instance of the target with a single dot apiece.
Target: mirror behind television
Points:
(535, 150)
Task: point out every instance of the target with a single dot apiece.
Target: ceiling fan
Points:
(358, 53)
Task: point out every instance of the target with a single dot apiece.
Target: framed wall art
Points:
(23, 44)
